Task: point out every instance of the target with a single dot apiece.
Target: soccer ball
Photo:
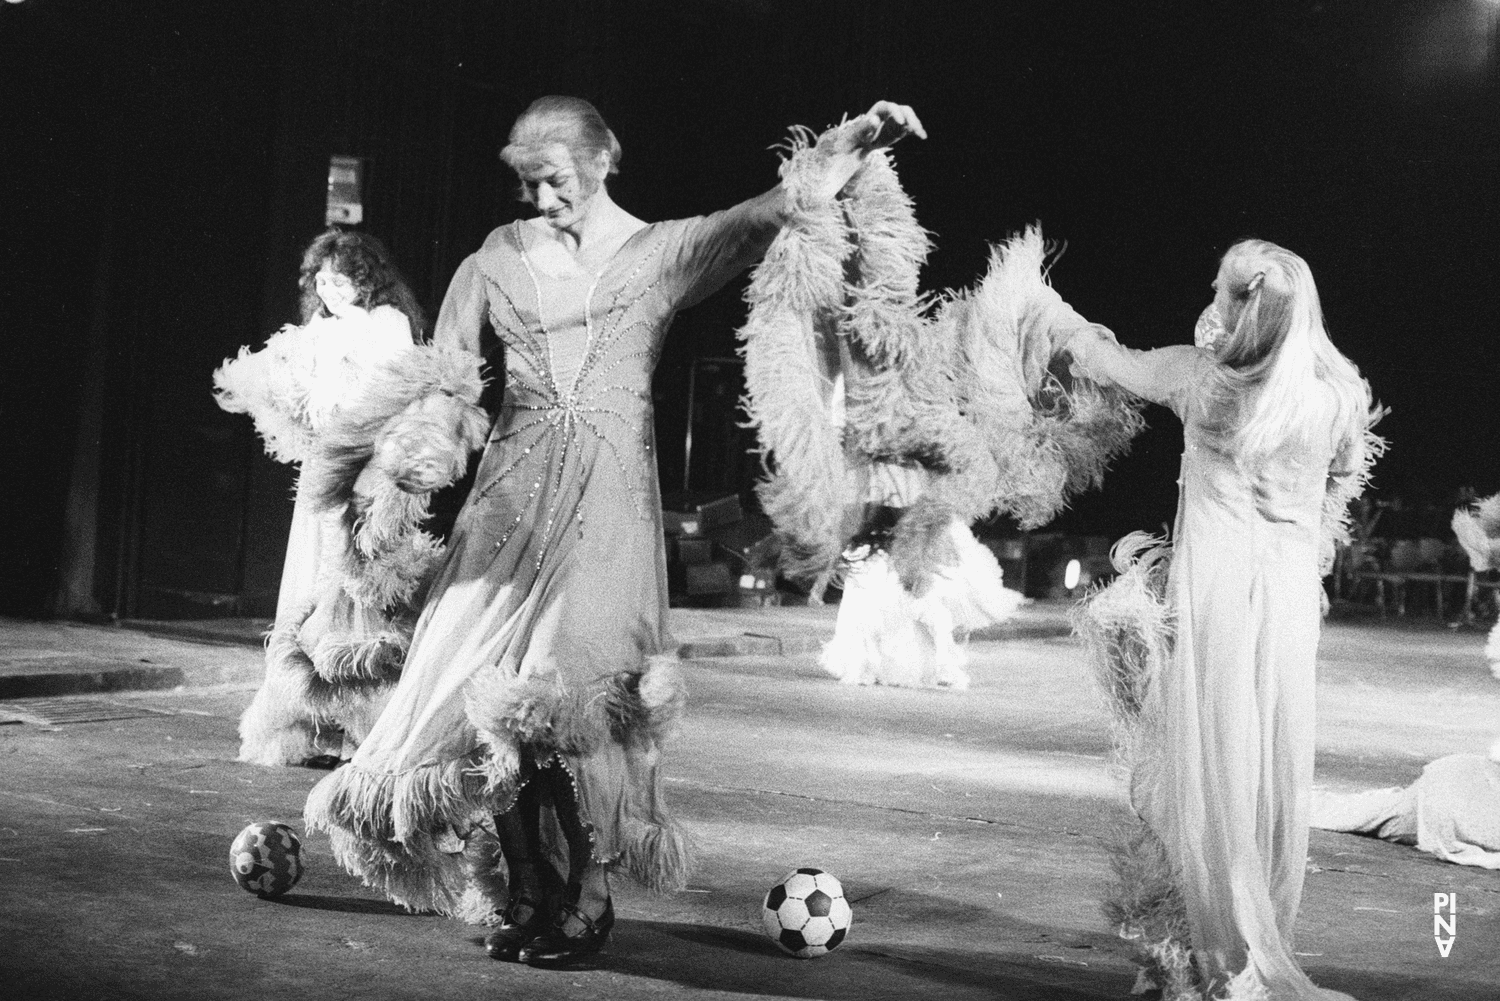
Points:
(806, 913)
(266, 859)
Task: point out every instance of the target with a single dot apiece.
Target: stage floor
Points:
(967, 828)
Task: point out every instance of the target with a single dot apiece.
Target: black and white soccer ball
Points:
(266, 859)
(806, 913)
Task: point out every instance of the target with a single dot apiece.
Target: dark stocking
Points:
(519, 829)
(588, 883)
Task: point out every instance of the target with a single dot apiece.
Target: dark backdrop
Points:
(163, 164)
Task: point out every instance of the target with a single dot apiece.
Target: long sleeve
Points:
(1161, 375)
(713, 249)
(461, 319)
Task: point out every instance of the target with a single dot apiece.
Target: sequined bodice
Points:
(579, 353)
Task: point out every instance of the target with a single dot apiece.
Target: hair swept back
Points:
(364, 260)
(1281, 379)
(569, 121)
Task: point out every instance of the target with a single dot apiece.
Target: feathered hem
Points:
(390, 829)
(1128, 630)
(1145, 907)
(305, 698)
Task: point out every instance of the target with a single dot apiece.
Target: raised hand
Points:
(891, 122)
(885, 123)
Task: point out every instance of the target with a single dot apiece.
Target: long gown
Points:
(1226, 741)
(543, 639)
(293, 387)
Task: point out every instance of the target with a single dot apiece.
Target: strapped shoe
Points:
(505, 942)
(557, 948)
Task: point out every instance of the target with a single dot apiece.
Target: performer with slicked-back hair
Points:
(540, 682)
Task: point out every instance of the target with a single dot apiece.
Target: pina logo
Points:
(1444, 928)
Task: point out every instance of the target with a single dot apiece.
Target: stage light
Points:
(1071, 575)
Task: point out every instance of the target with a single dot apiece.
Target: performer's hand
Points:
(1076, 342)
(885, 123)
(888, 122)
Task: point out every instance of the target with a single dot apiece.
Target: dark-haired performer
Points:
(539, 683)
(357, 315)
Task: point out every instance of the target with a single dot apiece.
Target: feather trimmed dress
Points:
(295, 387)
(1209, 662)
(543, 641)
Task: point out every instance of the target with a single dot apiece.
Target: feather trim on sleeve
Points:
(1346, 487)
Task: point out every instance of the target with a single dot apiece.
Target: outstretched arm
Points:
(725, 243)
(1157, 375)
(883, 125)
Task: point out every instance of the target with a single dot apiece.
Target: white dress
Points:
(1223, 768)
(293, 387)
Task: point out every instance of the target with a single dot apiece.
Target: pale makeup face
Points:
(561, 192)
(337, 291)
(1210, 328)
(1227, 305)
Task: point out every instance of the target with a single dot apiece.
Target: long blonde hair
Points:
(1281, 380)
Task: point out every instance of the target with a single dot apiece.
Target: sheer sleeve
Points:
(712, 249)
(1162, 375)
(461, 320)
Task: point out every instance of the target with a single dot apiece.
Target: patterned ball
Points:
(806, 913)
(266, 859)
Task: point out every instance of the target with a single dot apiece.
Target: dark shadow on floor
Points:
(744, 961)
(348, 905)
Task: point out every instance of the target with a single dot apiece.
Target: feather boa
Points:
(372, 450)
(271, 385)
(789, 343)
(975, 394)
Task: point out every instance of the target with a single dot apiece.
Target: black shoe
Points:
(505, 942)
(557, 948)
(323, 762)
